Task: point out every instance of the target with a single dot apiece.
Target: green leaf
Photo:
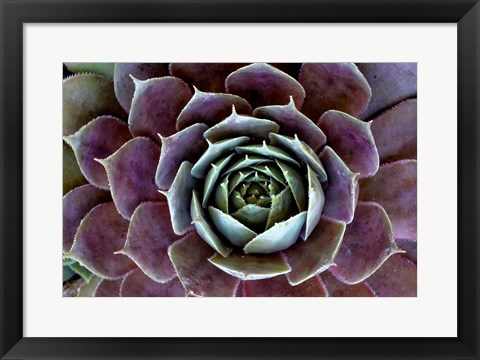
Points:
(295, 181)
(212, 178)
(266, 150)
(281, 207)
(279, 237)
(204, 229)
(67, 273)
(246, 162)
(237, 179)
(237, 200)
(302, 151)
(237, 233)
(214, 151)
(272, 171)
(251, 267)
(252, 216)
(221, 195)
(82, 271)
(99, 68)
(316, 200)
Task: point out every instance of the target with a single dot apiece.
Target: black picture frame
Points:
(15, 13)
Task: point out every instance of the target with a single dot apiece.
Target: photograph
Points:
(239, 179)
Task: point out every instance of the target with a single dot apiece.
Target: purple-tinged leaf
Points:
(108, 288)
(261, 84)
(292, 122)
(123, 82)
(336, 288)
(311, 257)
(396, 277)
(390, 84)
(210, 108)
(137, 284)
(86, 96)
(149, 236)
(205, 76)
(76, 204)
(102, 68)
(200, 278)
(102, 232)
(352, 140)
(279, 287)
(187, 144)
(235, 125)
(98, 139)
(156, 105)
(368, 241)
(395, 188)
(333, 86)
(131, 174)
(395, 132)
(342, 190)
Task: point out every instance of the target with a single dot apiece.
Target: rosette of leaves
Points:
(240, 179)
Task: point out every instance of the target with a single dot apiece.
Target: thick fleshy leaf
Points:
(98, 139)
(341, 193)
(279, 237)
(108, 288)
(252, 266)
(333, 86)
(410, 248)
(295, 182)
(174, 152)
(253, 216)
(273, 171)
(293, 122)
(235, 125)
(352, 140)
(178, 198)
(204, 229)
(87, 289)
(123, 82)
(137, 284)
(81, 270)
(316, 201)
(85, 97)
(214, 151)
(267, 151)
(237, 233)
(200, 278)
(205, 76)
(368, 241)
(212, 177)
(72, 176)
(261, 84)
(279, 287)
(210, 108)
(311, 257)
(395, 132)
(336, 288)
(390, 84)
(395, 188)
(245, 162)
(149, 236)
(131, 174)
(302, 151)
(221, 195)
(67, 273)
(156, 105)
(102, 232)
(99, 68)
(281, 209)
(396, 277)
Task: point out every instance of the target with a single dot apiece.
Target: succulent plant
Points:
(227, 179)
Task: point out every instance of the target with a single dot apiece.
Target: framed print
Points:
(239, 179)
